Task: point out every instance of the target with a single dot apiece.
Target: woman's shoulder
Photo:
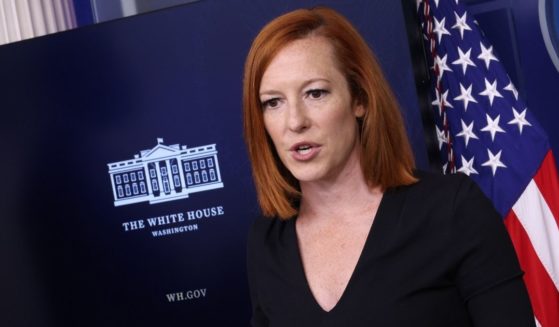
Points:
(436, 186)
(429, 179)
(451, 202)
(267, 229)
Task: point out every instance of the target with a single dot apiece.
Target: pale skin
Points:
(312, 119)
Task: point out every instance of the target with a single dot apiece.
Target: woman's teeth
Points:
(304, 149)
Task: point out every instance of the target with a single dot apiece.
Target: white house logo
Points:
(165, 173)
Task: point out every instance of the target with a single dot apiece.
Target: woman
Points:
(353, 236)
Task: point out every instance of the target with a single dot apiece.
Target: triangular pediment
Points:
(159, 151)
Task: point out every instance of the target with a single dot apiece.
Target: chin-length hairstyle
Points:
(386, 157)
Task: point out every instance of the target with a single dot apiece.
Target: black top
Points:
(437, 255)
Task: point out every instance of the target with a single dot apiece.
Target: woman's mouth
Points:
(304, 151)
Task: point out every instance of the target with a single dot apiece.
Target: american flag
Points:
(485, 130)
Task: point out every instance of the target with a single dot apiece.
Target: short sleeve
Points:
(488, 276)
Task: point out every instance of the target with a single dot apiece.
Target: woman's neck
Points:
(347, 196)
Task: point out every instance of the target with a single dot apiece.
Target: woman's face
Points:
(309, 113)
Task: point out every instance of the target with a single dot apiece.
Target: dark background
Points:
(74, 101)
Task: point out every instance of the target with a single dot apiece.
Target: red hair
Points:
(386, 156)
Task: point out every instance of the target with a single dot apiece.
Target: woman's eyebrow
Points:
(303, 85)
(269, 92)
(312, 80)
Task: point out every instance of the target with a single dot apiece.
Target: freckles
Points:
(271, 130)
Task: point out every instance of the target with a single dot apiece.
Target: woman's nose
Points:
(297, 120)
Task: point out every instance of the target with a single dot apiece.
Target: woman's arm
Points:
(506, 304)
(488, 275)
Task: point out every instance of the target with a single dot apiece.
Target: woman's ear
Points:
(358, 110)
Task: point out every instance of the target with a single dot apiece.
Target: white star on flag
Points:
(441, 137)
(468, 166)
(440, 29)
(524, 190)
(467, 132)
(493, 126)
(444, 167)
(464, 60)
(510, 87)
(491, 91)
(441, 101)
(519, 119)
(461, 24)
(465, 96)
(494, 161)
(486, 55)
(441, 63)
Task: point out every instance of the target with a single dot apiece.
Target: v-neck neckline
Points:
(366, 249)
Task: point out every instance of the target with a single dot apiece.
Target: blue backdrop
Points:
(74, 102)
(513, 27)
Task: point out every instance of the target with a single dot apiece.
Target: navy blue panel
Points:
(83, 12)
(555, 14)
(519, 42)
(552, 28)
(499, 27)
(74, 102)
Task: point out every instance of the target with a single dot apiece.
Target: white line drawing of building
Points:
(165, 173)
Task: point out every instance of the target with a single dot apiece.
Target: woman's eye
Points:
(316, 94)
(271, 103)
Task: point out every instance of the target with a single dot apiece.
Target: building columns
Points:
(24, 19)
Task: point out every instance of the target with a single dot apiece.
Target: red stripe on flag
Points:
(548, 183)
(544, 296)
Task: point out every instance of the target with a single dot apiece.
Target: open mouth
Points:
(303, 149)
